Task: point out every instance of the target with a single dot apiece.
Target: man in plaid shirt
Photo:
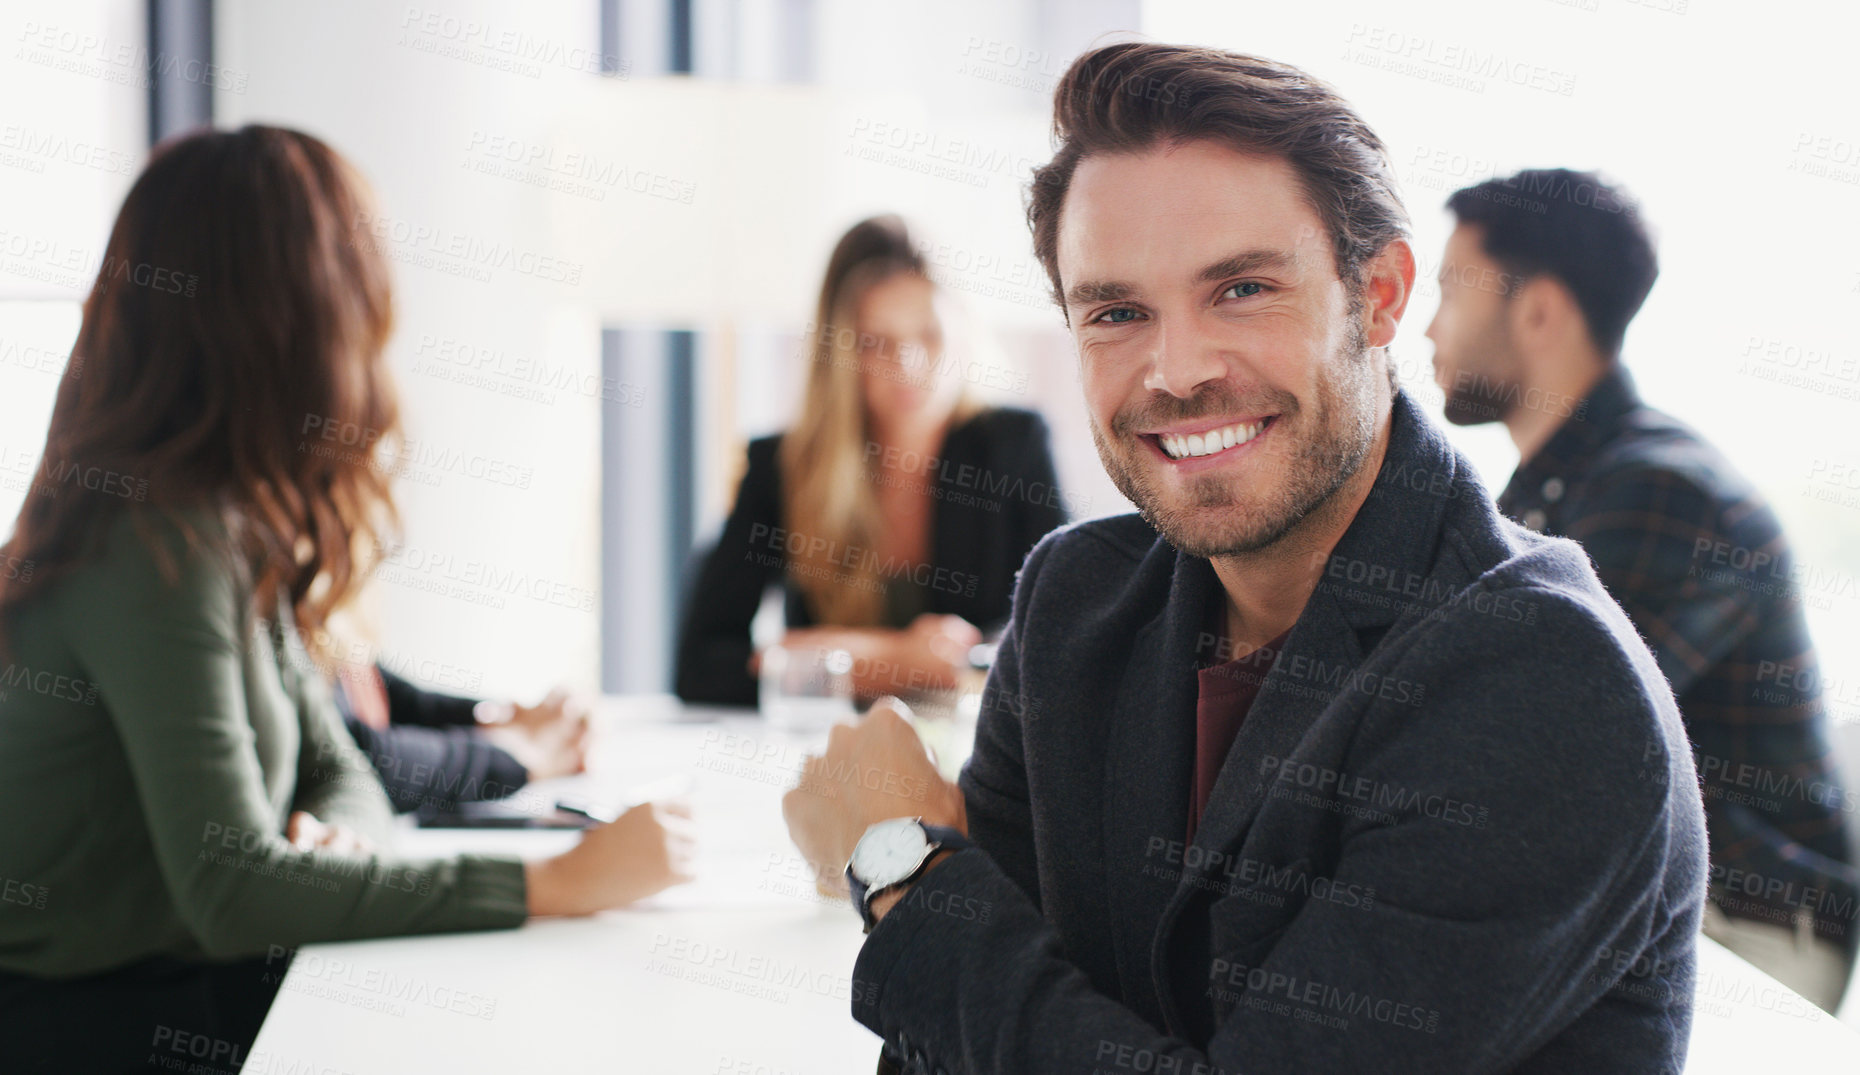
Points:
(1538, 284)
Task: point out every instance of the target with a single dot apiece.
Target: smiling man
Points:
(1315, 764)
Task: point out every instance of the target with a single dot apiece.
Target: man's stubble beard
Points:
(1490, 392)
(1476, 406)
(1338, 438)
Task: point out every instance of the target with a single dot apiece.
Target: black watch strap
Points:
(941, 838)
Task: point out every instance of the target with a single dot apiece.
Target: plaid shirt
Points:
(1701, 566)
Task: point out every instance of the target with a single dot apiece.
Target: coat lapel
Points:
(1149, 766)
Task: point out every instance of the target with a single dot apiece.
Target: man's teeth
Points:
(1179, 446)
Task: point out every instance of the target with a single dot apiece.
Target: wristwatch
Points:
(891, 853)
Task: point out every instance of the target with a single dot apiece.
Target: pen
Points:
(581, 811)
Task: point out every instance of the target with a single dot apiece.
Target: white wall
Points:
(679, 203)
(73, 122)
(503, 493)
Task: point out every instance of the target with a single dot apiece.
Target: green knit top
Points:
(154, 738)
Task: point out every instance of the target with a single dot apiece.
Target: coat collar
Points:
(1575, 444)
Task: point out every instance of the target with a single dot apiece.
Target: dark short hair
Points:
(1575, 228)
(1133, 96)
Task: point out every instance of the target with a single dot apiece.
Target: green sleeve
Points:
(334, 780)
(172, 665)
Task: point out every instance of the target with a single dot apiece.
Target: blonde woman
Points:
(895, 511)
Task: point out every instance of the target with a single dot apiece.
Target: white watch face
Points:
(889, 851)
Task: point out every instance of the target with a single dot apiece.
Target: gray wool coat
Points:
(1459, 831)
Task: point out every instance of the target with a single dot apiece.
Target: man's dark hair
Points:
(1130, 97)
(1575, 228)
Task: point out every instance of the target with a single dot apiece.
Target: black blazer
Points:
(431, 757)
(997, 495)
(1459, 830)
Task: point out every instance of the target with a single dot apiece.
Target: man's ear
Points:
(1388, 282)
(1541, 310)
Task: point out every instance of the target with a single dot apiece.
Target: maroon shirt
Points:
(1227, 692)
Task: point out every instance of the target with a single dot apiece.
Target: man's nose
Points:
(1182, 360)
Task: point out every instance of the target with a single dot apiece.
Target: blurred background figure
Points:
(1539, 282)
(895, 511)
(434, 751)
(178, 790)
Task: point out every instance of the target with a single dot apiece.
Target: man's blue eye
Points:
(1116, 317)
(1245, 289)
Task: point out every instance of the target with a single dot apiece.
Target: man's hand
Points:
(548, 739)
(559, 707)
(873, 770)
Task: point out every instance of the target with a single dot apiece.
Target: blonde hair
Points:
(827, 482)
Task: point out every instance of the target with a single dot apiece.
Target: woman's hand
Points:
(307, 833)
(645, 850)
(931, 654)
(933, 650)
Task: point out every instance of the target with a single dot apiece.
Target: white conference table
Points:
(745, 971)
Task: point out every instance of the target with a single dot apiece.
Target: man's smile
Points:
(1201, 445)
